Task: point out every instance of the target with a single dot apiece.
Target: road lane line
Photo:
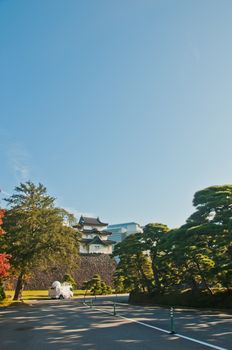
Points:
(200, 342)
(175, 334)
(164, 330)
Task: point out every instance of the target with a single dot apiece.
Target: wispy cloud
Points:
(19, 160)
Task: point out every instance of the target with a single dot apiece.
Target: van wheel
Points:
(61, 296)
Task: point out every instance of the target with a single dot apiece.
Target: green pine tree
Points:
(38, 233)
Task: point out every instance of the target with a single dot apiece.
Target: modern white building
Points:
(121, 231)
(94, 236)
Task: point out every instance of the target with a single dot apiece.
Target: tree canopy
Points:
(197, 255)
(38, 233)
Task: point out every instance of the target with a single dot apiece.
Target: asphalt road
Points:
(71, 325)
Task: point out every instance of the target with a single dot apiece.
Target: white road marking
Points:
(200, 342)
(163, 330)
(176, 334)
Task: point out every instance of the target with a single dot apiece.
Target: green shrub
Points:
(97, 286)
(69, 279)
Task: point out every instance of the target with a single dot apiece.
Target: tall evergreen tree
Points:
(135, 265)
(212, 224)
(152, 240)
(202, 248)
(38, 233)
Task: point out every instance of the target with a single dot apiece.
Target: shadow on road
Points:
(68, 325)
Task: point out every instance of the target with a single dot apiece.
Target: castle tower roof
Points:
(91, 221)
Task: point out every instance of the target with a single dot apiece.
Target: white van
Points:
(60, 291)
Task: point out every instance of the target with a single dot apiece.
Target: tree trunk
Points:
(191, 278)
(156, 274)
(19, 287)
(146, 283)
(194, 285)
(203, 277)
(139, 270)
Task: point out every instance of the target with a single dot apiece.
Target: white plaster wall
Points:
(100, 249)
(99, 228)
(87, 227)
(104, 237)
(87, 236)
(83, 249)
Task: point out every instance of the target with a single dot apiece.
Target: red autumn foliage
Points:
(4, 258)
(4, 264)
(2, 213)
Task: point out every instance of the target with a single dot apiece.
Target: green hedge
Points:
(188, 299)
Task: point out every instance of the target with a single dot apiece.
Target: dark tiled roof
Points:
(91, 221)
(109, 242)
(97, 240)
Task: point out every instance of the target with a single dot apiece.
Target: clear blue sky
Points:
(122, 109)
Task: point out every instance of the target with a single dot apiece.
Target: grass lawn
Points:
(34, 294)
(38, 294)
